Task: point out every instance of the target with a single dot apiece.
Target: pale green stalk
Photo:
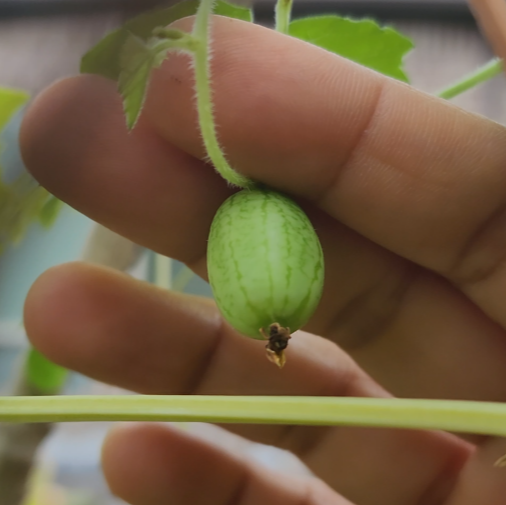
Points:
(204, 99)
(163, 271)
(488, 71)
(283, 14)
(460, 416)
(182, 279)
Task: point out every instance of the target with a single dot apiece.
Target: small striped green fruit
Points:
(265, 266)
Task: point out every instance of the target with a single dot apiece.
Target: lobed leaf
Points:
(137, 63)
(364, 42)
(104, 58)
(233, 11)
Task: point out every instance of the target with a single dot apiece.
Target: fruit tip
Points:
(278, 341)
(278, 358)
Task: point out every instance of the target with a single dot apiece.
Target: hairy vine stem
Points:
(283, 14)
(197, 44)
(204, 98)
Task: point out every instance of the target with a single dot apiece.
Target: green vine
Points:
(204, 98)
(197, 44)
(138, 56)
(283, 14)
(491, 69)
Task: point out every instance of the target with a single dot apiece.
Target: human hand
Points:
(407, 194)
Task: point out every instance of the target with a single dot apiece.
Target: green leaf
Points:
(104, 58)
(233, 11)
(47, 377)
(49, 212)
(22, 203)
(10, 101)
(137, 60)
(364, 42)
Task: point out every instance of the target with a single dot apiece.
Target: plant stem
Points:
(182, 279)
(19, 443)
(459, 416)
(204, 101)
(163, 272)
(491, 69)
(283, 14)
(18, 447)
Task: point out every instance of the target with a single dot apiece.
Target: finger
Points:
(131, 334)
(186, 346)
(491, 16)
(414, 149)
(438, 345)
(481, 481)
(412, 173)
(142, 187)
(150, 464)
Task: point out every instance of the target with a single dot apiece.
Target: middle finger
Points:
(134, 335)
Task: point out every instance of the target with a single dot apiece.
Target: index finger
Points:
(411, 172)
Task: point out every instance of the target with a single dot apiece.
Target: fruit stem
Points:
(283, 14)
(163, 271)
(204, 98)
(182, 279)
(484, 73)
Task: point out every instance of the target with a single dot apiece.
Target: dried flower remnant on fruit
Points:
(278, 341)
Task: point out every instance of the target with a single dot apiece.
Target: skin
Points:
(408, 194)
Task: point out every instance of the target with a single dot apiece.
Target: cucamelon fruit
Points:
(265, 266)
